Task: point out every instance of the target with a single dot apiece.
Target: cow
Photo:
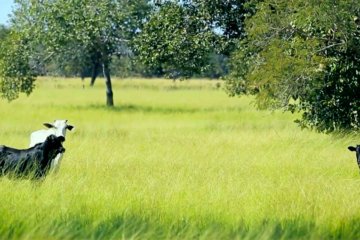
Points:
(58, 128)
(33, 162)
(357, 150)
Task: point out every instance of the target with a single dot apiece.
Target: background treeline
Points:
(298, 56)
(124, 65)
(127, 66)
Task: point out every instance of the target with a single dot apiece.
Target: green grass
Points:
(176, 160)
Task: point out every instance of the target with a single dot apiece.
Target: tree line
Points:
(298, 56)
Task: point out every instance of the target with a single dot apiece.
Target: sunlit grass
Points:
(176, 160)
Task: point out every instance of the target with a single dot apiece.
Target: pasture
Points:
(176, 160)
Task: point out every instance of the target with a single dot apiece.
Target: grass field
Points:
(176, 160)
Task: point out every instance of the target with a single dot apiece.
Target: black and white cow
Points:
(58, 128)
(32, 162)
(357, 150)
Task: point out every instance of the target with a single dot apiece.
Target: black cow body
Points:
(357, 150)
(34, 162)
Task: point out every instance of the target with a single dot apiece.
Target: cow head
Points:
(54, 144)
(357, 150)
(60, 126)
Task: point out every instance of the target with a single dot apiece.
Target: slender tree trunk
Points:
(94, 73)
(109, 92)
(83, 81)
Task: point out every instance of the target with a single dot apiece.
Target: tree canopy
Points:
(173, 41)
(4, 31)
(303, 56)
(96, 29)
(180, 36)
(16, 74)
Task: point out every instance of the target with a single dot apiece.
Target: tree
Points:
(181, 36)
(173, 41)
(16, 74)
(303, 56)
(226, 18)
(99, 28)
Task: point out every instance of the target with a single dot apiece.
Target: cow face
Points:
(59, 126)
(357, 150)
(54, 144)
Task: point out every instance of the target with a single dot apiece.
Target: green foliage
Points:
(226, 18)
(103, 26)
(16, 74)
(174, 41)
(181, 37)
(4, 31)
(303, 56)
(77, 32)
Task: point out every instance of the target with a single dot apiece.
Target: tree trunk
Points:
(109, 92)
(94, 73)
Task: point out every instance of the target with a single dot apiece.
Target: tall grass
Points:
(176, 160)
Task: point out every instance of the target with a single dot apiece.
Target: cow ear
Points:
(49, 125)
(61, 138)
(351, 148)
(69, 127)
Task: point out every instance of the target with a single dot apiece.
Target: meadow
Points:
(176, 160)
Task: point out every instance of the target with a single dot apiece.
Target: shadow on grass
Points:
(133, 227)
(126, 108)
